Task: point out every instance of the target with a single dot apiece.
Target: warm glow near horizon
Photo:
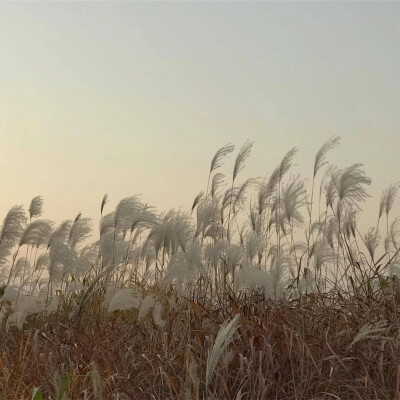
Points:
(135, 98)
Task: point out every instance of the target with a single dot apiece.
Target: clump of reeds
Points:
(261, 290)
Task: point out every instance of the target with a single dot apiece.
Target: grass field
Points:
(264, 289)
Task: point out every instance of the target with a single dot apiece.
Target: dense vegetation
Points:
(261, 291)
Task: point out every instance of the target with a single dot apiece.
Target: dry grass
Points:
(137, 313)
(282, 350)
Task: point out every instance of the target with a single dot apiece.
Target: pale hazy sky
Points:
(135, 98)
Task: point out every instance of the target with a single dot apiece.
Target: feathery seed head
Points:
(220, 155)
(241, 158)
(36, 207)
(320, 157)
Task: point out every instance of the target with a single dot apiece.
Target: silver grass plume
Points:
(321, 253)
(36, 207)
(350, 184)
(147, 304)
(224, 337)
(293, 197)
(88, 257)
(320, 156)
(113, 249)
(220, 155)
(394, 233)
(157, 315)
(143, 218)
(62, 261)
(300, 246)
(280, 265)
(125, 299)
(21, 266)
(267, 189)
(10, 294)
(254, 245)
(216, 183)
(392, 192)
(370, 331)
(372, 239)
(387, 242)
(107, 223)
(382, 204)
(148, 255)
(61, 234)
(171, 232)
(350, 223)
(185, 266)
(216, 251)
(26, 305)
(197, 200)
(135, 255)
(317, 226)
(13, 225)
(80, 230)
(306, 284)
(255, 219)
(251, 277)
(331, 186)
(103, 203)
(215, 231)
(387, 199)
(243, 154)
(29, 304)
(227, 201)
(16, 319)
(286, 162)
(43, 261)
(353, 252)
(125, 212)
(239, 195)
(331, 231)
(234, 256)
(37, 233)
(277, 219)
(5, 251)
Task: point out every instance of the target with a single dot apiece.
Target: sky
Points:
(135, 97)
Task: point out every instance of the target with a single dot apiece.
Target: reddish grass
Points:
(298, 350)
